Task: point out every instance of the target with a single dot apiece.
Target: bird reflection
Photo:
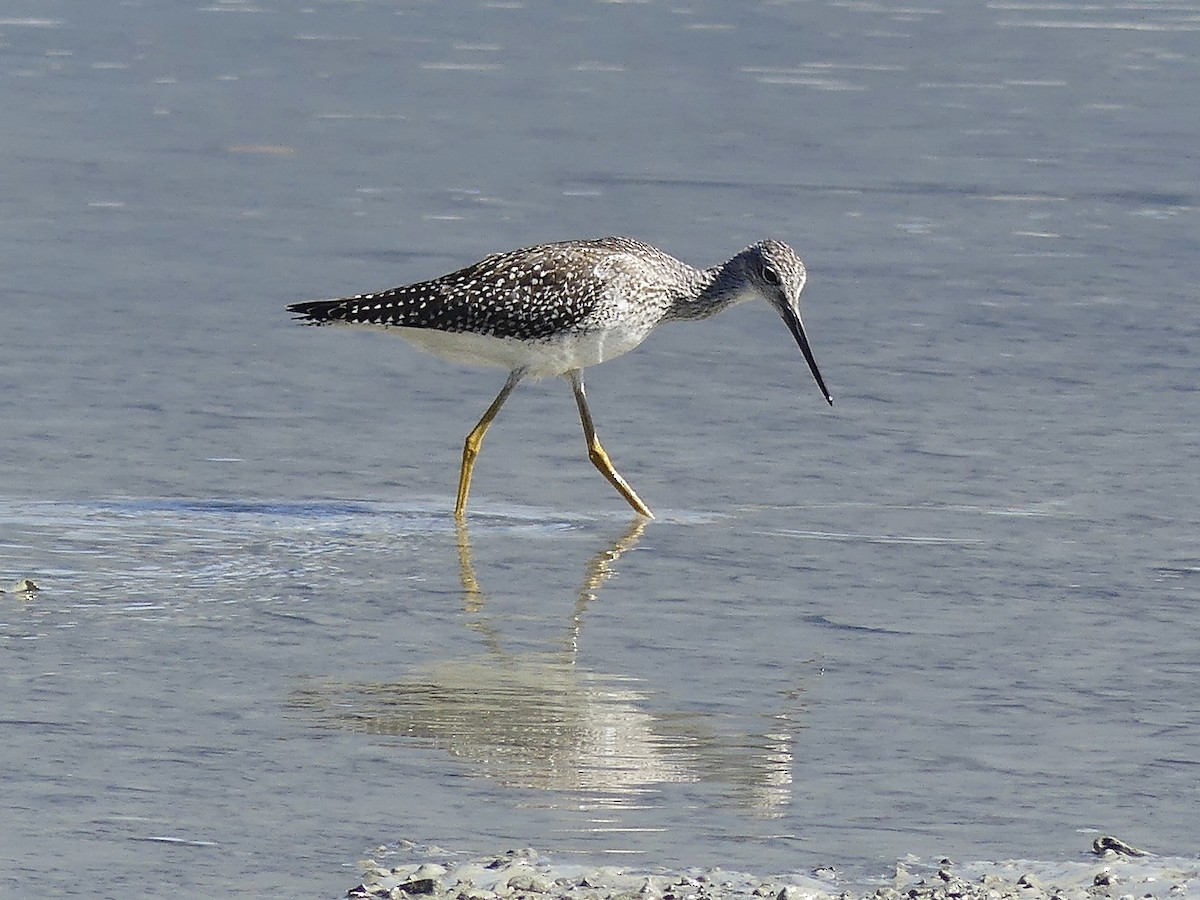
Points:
(539, 720)
(596, 572)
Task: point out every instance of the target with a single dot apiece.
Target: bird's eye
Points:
(770, 276)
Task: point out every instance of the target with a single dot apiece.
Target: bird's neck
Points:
(710, 291)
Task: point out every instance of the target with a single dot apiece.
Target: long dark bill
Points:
(796, 327)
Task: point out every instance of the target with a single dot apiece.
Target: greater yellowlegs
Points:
(557, 308)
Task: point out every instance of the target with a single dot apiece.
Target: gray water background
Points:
(955, 614)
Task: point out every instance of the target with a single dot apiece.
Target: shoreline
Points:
(1115, 871)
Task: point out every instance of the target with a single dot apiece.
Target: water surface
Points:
(953, 615)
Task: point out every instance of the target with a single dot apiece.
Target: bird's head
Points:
(776, 272)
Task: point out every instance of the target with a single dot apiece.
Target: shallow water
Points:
(954, 615)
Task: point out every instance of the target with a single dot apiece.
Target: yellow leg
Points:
(475, 441)
(597, 454)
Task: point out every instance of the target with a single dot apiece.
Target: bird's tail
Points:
(320, 312)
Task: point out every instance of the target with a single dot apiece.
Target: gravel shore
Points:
(1116, 871)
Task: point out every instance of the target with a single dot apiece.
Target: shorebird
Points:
(555, 309)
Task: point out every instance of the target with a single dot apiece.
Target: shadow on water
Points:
(542, 720)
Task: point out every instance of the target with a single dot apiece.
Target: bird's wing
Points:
(531, 293)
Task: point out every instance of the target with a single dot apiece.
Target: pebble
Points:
(1028, 880)
(531, 883)
(23, 586)
(419, 886)
(1108, 845)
